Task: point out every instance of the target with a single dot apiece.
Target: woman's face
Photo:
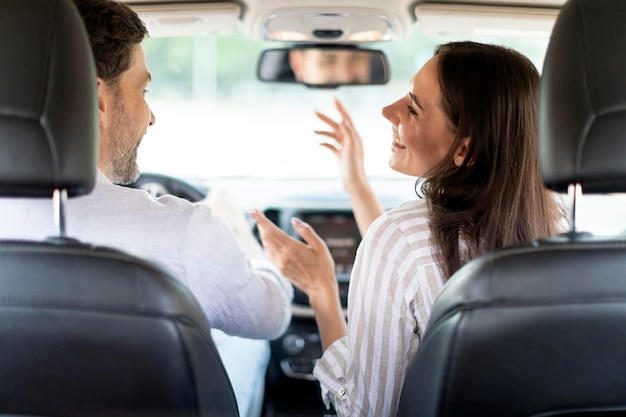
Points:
(422, 133)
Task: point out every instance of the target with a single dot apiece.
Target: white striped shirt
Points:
(392, 288)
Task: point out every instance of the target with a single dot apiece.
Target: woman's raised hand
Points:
(347, 147)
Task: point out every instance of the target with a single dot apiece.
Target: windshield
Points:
(217, 122)
(215, 119)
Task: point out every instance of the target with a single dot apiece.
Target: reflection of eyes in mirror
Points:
(323, 66)
(326, 66)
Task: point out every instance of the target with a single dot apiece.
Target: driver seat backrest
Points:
(540, 329)
(84, 331)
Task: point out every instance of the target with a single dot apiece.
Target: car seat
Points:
(84, 330)
(540, 329)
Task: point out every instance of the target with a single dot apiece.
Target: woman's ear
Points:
(462, 152)
(102, 103)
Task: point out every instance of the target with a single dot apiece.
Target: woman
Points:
(467, 129)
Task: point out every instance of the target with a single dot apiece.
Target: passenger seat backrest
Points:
(84, 331)
(539, 329)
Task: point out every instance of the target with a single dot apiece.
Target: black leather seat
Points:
(84, 331)
(540, 329)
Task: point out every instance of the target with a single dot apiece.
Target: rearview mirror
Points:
(324, 66)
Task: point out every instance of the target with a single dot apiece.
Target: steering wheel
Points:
(159, 184)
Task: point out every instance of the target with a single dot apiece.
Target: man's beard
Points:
(123, 151)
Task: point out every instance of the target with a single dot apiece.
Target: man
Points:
(240, 296)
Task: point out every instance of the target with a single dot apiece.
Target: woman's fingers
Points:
(309, 266)
(331, 147)
(335, 134)
(306, 232)
(327, 120)
(270, 231)
(273, 238)
(344, 114)
(346, 119)
(266, 227)
(278, 246)
(329, 134)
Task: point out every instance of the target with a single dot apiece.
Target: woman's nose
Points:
(152, 118)
(390, 113)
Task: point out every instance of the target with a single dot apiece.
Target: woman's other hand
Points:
(310, 267)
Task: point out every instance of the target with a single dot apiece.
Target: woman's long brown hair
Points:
(495, 198)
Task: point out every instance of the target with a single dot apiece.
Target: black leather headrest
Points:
(582, 109)
(48, 100)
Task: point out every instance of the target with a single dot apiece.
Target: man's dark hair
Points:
(114, 30)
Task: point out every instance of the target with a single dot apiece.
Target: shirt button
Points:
(342, 392)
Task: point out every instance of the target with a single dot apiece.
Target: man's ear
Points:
(102, 103)
(462, 152)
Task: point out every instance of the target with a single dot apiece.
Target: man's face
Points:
(128, 121)
(324, 66)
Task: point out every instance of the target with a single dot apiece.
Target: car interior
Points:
(86, 330)
(526, 331)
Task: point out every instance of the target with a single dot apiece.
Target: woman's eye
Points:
(145, 92)
(411, 111)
